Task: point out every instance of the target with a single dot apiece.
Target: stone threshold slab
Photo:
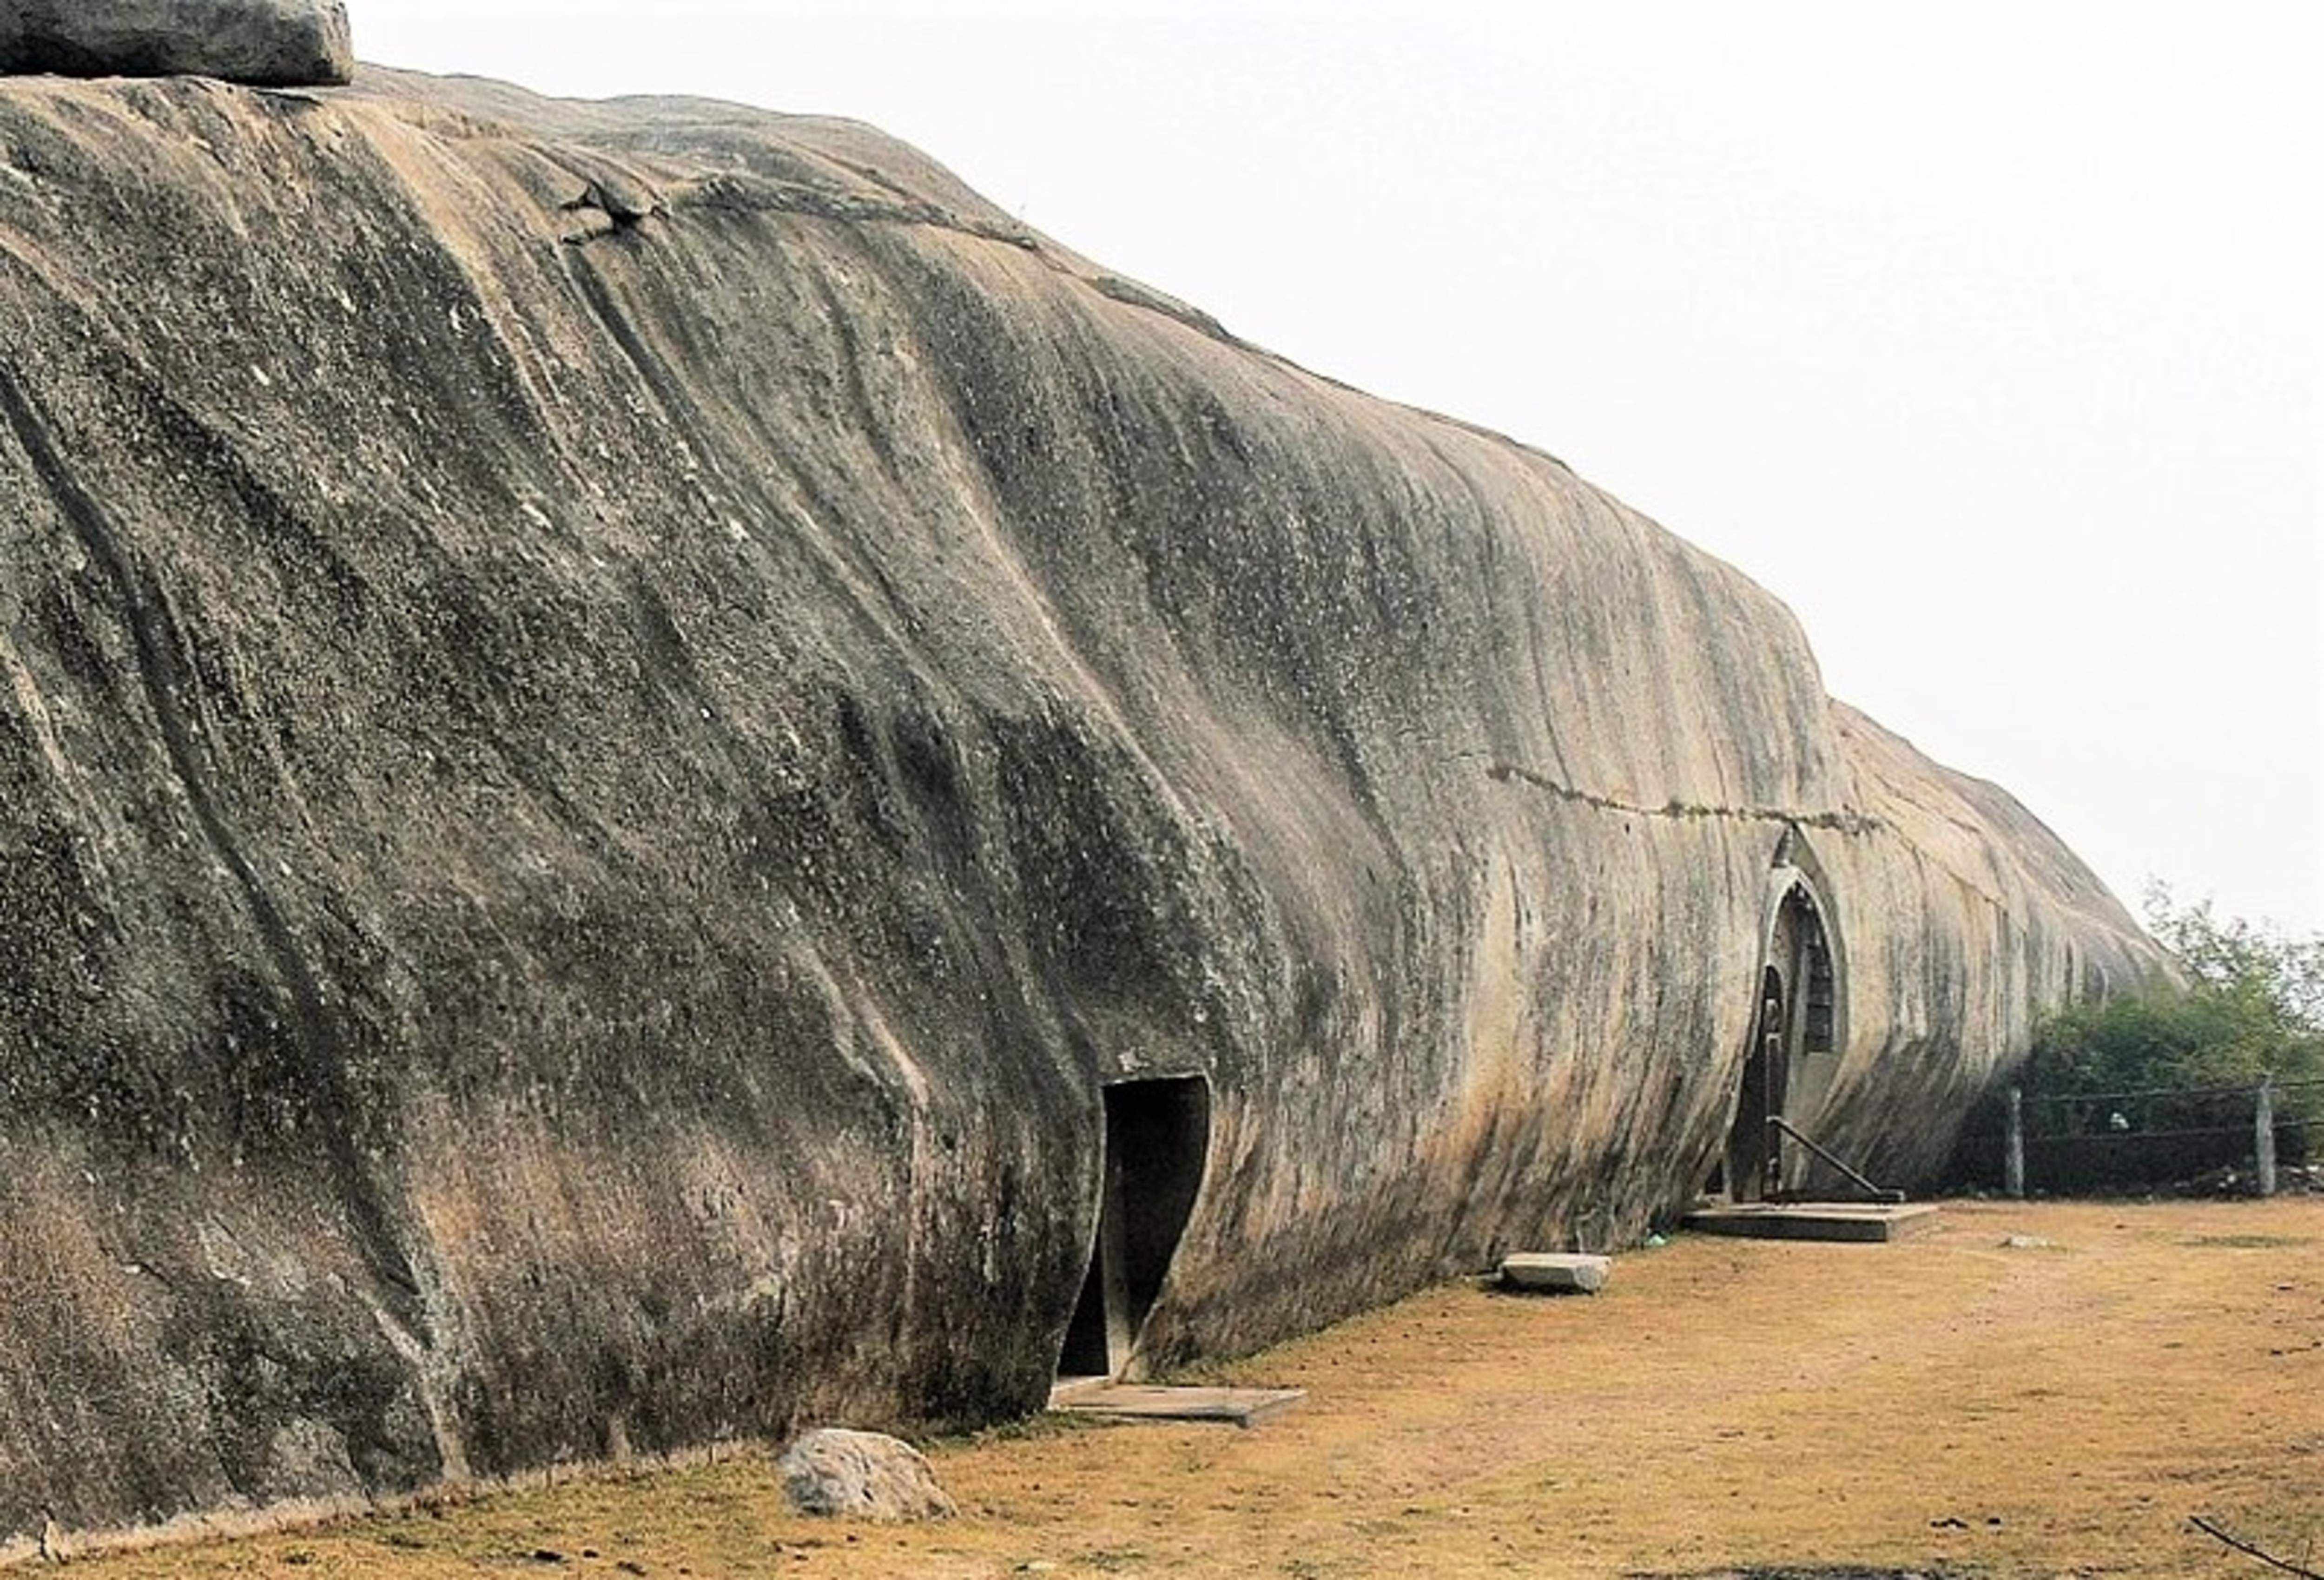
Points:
(1851, 1221)
(1552, 1272)
(1138, 1402)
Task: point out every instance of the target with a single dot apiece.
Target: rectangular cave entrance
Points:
(1157, 1135)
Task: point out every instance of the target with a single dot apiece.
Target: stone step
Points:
(1140, 1401)
(1854, 1221)
(1555, 1273)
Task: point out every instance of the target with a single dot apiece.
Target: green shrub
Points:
(2251, 1006)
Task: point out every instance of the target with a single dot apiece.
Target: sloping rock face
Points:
(275, 43)
(614, 717)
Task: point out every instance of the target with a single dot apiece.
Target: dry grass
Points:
(1946, 1402)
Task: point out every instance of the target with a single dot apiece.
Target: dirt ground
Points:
(1948, 1404)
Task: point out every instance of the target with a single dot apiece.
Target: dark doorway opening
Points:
(1157, 1135)
(1752, 1156)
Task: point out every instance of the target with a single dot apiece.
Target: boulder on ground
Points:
(267, 43)
(1555, 1272)
(864, 1475)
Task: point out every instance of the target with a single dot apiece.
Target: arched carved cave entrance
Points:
(1794, 1051)
(1157, 1135)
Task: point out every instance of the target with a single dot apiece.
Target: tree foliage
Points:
(2251, 1006)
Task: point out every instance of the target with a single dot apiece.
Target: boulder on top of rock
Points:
(1555, 1273)
(267, 43)
(867, 1475)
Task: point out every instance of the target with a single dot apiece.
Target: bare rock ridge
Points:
(634, 736)
(269, 43)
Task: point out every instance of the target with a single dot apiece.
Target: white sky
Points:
(1986, 335)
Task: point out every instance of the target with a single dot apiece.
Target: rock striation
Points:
(625, 730)
(267, 43)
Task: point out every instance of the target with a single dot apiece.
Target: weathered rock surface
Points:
(273, 43)
(582, 821)
(863, 1476)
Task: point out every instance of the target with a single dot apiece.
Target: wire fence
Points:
(2245, 1090)
(2243, 1137)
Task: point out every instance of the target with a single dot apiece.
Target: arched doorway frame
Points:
(1814, 1030)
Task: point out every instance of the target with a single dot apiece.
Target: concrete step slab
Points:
(1555, 1273)
(1854, 1221)
(1140, 1402)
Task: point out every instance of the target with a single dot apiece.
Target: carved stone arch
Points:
(1799, 1021)
(1797, 868)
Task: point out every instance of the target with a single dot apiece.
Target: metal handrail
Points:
(1872, 1192)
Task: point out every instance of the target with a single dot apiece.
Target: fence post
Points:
(2013, 1157)
(2264, 1135)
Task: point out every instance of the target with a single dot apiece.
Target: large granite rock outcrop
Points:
(269, 43)
(614, 718)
